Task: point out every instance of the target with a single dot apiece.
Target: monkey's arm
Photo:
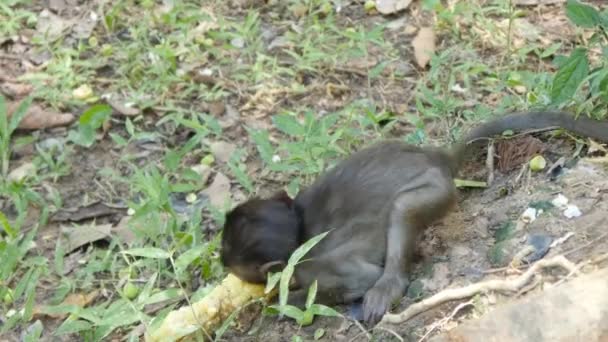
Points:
(423, 200)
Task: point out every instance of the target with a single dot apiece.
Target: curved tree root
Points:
(499, 285)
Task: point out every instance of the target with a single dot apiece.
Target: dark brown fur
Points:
(377, 201)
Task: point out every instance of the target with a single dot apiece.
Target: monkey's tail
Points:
(545, 120)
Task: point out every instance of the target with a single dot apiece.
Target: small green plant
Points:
(91, 120)
(7, 128)
(575, 70)
(283, 278)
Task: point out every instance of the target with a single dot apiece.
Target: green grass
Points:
(153, 59)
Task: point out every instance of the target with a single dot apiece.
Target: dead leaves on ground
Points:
(80, 300)
(424, 46)
(40, 118)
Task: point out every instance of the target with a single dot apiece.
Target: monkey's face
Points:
(258, 237)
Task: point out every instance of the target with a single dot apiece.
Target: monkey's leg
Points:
(410, 212)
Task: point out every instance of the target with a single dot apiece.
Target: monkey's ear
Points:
(283, 197)
(272, 267)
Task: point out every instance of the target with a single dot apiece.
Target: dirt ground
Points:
(477, 241)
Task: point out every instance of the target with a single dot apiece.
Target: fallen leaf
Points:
(81, 235)
(15, 89)
(222, 151)
(93, 210)
(424, 46)
(39, 118)
(84, 27)
(124, 231)
(123, 109)
(21, 172)
(391, 6)
(76, 299)
(50, 25)
(219, 190)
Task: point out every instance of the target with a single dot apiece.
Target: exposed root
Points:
(445, 320)
(500, 285)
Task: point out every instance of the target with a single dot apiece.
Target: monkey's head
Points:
(259, 236)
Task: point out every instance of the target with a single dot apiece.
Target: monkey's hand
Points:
(379, 298)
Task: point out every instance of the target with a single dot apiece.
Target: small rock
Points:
(391, 6)
(560, 201)
(238, 42)
(52, 144)
(529, 215)
(572, 211)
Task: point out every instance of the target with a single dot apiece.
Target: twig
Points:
(500, 285)
(445, 320)
(586, 245)
(561, 240)
(490, 163)
(363, 331)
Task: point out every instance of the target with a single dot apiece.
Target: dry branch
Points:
(500, 285)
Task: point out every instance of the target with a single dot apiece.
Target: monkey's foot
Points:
(355, 310)
(379, 298)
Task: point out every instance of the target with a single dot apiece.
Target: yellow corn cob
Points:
(209, 312)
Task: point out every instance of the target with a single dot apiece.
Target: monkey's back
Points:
(354, 199)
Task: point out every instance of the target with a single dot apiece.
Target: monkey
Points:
(374, 204)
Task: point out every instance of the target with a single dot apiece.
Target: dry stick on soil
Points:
(490, 163)
(445, 320)
(500, 285)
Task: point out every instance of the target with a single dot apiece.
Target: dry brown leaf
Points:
(219, 190)
(39, 118)
(87, 212)
(123, 108)
(123, 231)
(424, 46)
(76, 299)
(81, 235)
(14, 89)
